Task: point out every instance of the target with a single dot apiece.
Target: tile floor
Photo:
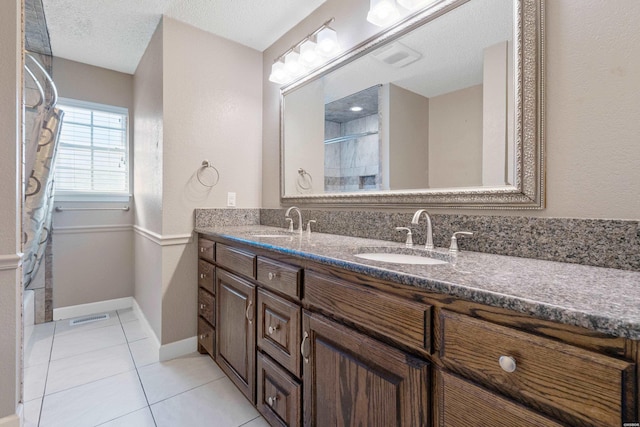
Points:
(106, 373)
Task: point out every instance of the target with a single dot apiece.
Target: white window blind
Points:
(93, 151)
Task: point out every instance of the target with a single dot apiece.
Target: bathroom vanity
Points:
(314, 336)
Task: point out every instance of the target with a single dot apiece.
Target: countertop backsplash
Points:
(596, 242)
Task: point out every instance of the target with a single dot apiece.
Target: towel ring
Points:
(207, 165)
(304, 182)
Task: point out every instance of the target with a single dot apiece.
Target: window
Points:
(92, 162)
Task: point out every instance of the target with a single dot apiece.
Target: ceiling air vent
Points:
(397, 55)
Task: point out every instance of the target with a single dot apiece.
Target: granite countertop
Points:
(601, 299)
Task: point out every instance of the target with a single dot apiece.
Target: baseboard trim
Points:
(146, 326)
(92, 308)
(163, 240)
(10, 262)
(13, 420)
(81, 229)
(178, 348)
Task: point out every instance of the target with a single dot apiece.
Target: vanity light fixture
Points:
(308, 54)
(383, 12)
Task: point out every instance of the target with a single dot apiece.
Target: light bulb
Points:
(292, 64)
(278, 73)
(383, 12)
(327, 42)
(308, 54)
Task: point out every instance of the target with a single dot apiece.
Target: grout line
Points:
(191, 389)
(153, 418)
(251, 420)
(46, 378)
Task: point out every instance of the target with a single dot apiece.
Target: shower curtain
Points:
(40, 155)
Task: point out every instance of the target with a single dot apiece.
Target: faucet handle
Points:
(309, 226)
(290, 221)
(409, 241)
(454, 240)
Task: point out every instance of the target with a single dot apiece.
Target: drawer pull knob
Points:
(246, 314)
(203, 336)
(202, 306)
(202, 275)
(202, 249)
(273, 276)
(273, 329)
(272, 400)
(507, 363)
(302, 352)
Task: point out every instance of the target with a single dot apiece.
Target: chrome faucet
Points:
(286, 215)
(416, 218)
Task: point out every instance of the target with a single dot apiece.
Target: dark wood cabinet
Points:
(279, 394)
(235, 330)
(351, 379)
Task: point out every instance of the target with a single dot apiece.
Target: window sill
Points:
(91, 197)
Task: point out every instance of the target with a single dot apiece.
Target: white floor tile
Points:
(144, 352)
(37, 348)
(141, 418)
(94, 403)
(217, 403)
(134, 331)
(35, 378)
(64, 326)
(257, 422)
(87, 367)
(165, 379)
(84, 341)
(32, 412)
(127, 315)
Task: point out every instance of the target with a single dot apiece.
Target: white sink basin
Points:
(401, 258)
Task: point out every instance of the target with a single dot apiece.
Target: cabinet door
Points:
(235, 330)
(351, 379)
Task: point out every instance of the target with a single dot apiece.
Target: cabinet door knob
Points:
(302, 352)
(203, 336)
(272, 400)
(272, 329)
(273, 276)
(507, 363)
(246, 313)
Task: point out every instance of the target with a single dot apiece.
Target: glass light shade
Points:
(415, 4)
(278, 73)
(383, 12)
(309, 56)
(292, 64)
(327, 42)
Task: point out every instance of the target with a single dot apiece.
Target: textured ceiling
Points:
(114, 34)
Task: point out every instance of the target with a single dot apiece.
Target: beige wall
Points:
(408, 133)
(592, 82)
(92, 250)
(197, 97)
(10, 225)
(455, 138)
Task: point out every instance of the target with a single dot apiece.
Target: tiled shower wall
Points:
(597, 242)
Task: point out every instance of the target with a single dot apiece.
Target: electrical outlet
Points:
(231, 198)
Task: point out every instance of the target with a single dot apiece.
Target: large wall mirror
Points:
(444, 109)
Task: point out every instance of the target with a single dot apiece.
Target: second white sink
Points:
(401, 258)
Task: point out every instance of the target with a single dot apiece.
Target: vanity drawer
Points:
(207, 306)
(205, 276)
(279, 330)
(236, 260)
(280, 277)
(279, 394)
(404, 321)
(577, 385)
(206, 249)
(461, 403)
(206, 338)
